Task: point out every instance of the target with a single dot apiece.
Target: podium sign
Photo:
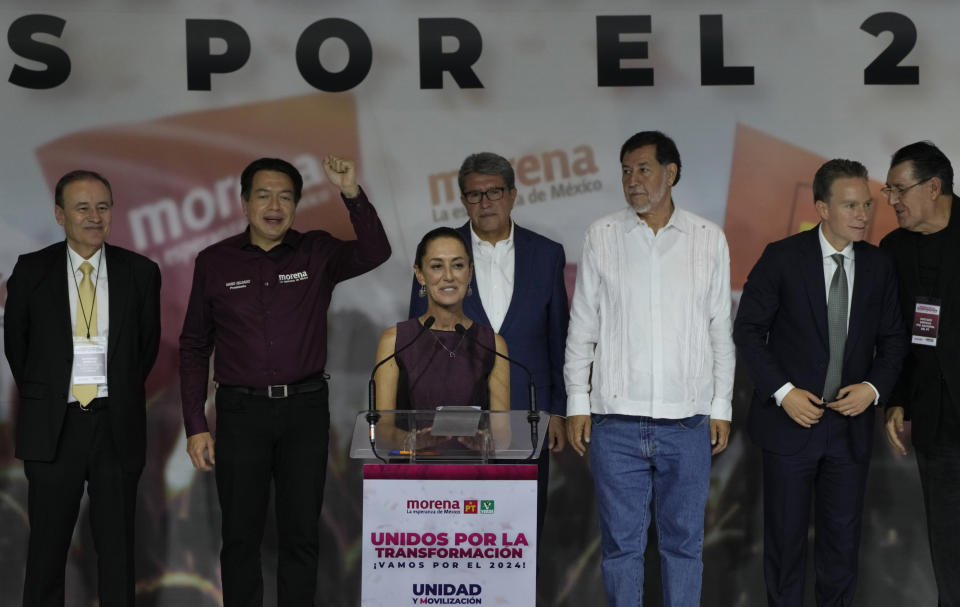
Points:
(443, 534)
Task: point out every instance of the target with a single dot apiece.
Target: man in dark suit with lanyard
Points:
(518, 290)
(819, 330)
(926, 253)
(81, 333)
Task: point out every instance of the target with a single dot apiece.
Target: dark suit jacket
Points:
(38, 342)
(781, 335)
(535, 327)
(925, 368)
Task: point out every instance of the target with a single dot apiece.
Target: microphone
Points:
(372, 416)
(532, 416)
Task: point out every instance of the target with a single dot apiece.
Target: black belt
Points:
(279, 390)
(97, 404)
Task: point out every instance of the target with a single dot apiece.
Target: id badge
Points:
(926, 321)
(89, 360)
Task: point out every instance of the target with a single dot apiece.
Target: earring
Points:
(469, 290)
(423, 291)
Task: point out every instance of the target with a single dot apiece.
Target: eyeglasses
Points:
(475, 196)
(891, 191)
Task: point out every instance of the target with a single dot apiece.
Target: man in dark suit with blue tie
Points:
(820, 332)
(517, 289)
(81, 333)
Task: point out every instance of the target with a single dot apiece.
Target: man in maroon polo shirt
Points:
(259, 299)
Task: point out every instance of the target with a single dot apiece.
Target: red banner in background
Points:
(176, 182)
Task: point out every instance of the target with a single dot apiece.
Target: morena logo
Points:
(433, 504)
(545, 167)
(440, 506)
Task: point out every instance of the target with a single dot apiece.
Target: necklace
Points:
(450, 353)
(83, 312)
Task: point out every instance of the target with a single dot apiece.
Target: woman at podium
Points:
(449, 362)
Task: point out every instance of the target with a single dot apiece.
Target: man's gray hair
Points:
(486, 163)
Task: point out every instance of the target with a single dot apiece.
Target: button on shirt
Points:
(650, 320)
(99, 278)
(264, 313)
(493, 264)
(829, 267)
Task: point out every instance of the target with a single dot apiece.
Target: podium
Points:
(450, 509)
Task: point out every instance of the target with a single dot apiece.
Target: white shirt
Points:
(829, 267)
(74, 276)
(650, 330)
(493, 264)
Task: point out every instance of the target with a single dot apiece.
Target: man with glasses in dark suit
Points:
(926, 253)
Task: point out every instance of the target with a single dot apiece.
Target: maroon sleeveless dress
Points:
(444, 367)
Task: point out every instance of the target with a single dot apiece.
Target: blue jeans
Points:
(633, 459)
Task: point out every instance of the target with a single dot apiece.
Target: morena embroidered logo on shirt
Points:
(295, 277)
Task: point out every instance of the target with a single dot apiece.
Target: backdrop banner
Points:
(170, 100)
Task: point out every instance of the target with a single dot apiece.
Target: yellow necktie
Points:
(86, 315)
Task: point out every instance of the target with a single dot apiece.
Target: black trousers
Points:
(940, 478)
(260, 440)
(543, 484)
(826, 473)
(85, 456)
